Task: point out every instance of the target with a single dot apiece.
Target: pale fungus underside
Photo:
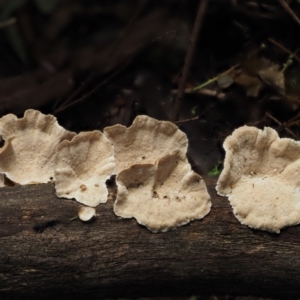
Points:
(82, 167)
(29, 151)
(162, 196)
(155, 182)
(261, 178)
(145, 141)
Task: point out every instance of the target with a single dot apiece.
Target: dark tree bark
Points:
(44, 255)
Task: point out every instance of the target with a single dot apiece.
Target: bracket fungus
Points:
(82, 167)
(29, 150)
(261, 178)
(145, 141)
(163, 195)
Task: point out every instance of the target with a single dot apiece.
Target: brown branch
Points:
(189, 56)
(205, 92)
(76, 92)
(293, 120)
(67, 104)
(187, 120)
(44, 255)
(283, 49)
(289, 11)
(7, 23)
(281, 125)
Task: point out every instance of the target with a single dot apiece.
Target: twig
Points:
(282, 125)
(152, 41)
(129, 25)
(197, 117)
(8, 22)
(97, 87)
(206, 83)
(77, 91)
(293, 120)
(282, 48)
(189, 56)
(294, 99)
(289, 11)
(206, 92)
(290, 58)
(293, 123)
(187, 120)
(291, 54)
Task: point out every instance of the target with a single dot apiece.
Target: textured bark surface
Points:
(44, 255)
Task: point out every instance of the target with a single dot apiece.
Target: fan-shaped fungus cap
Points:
(29, 150)
(145, 141)
(86, 213)
(82, 167)
(261, 178)
(162, 196)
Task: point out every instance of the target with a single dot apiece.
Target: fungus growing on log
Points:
(29, 150)
(86, 213)
(145, 141)
(82, 167)
(163, 195)
(261, 178)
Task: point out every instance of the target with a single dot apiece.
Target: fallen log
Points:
(44, 254)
